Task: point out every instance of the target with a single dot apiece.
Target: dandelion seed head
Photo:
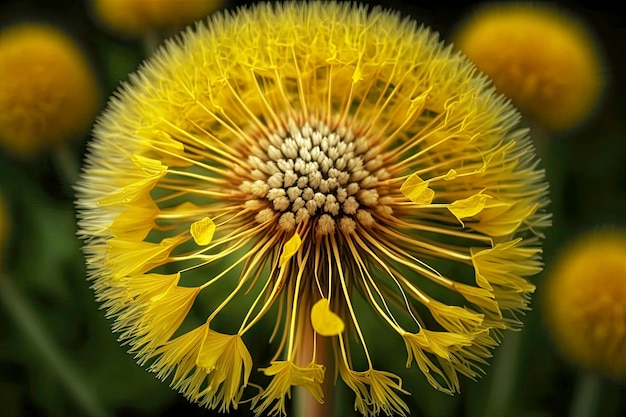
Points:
(310, 155)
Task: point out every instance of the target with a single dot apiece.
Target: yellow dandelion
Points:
(544, 59)
(307, 156)
(48, 91)
(585, 302)
(136, 17)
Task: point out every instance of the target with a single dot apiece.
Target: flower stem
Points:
(151, 41)
(26, 320)
(303, 402)
(505, 371)
(67, 166)
(586, 395)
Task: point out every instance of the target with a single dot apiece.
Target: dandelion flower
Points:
(310, 156)
(545, 60)
(136, 17)
(585, 302)
(48, 91)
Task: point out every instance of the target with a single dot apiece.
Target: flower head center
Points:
(311, 172)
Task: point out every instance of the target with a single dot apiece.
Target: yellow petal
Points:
(148, 171)
(125, 257)
(452, 351)
(324, 321)
(151, 324)
(271, 401)
(502, 218)
(450, 175)
(202, 231)
(142, 288)
(148, 165)
(290, 249)
(468, 207)
(130, 192)
(136, 220)
(416, 190)
(418, 103)
(375, 390)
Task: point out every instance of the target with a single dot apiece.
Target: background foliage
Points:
(48, 307)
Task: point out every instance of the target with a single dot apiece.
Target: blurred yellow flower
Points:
(309, 156)
(585, 302)
(544, 59)
(48, 91)
(136, 17)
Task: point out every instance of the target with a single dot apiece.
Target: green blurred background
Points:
(586, 168)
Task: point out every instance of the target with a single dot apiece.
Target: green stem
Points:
(26, 320)
(67, 166)
(150, 41)
(586, 396)
(506, 366)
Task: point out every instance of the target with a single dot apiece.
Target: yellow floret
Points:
(48, 91)
(543, 59)
(585, 302)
